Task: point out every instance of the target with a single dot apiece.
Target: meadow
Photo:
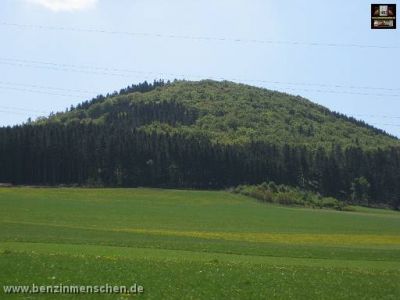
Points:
(181, 244)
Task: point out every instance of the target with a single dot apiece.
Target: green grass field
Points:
(194, 245)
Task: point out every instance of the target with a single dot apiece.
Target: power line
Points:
(353, 87)
(117, 72)
(18, 109)
(43, 91)
(377, 116)
(55, 68)
(37, 91)
(342, 92)
(27, 112)
(13, 112)
(21, 109)
(45, 87)
(105, 69)
(73, 66)
(191, 37)
(379, 124)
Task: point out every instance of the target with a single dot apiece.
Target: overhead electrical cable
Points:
(193, 37)
(120, 72)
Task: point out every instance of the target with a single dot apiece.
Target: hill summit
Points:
(205, 134)
(227, 113)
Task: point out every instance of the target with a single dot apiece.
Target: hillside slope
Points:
(205, 135)
(231, 113)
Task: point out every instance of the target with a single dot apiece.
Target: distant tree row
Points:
(113, 155)
(142, 87)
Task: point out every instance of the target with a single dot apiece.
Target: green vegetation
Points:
(286, 195)
(231, 113)
(206, 135)
(196, 245)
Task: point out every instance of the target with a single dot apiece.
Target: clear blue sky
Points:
(25, 50)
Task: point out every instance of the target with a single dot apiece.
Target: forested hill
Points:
(205, 135)
(227, 113)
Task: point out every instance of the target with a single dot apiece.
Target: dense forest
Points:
(228, 113)
(124, 140)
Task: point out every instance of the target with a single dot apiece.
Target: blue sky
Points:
(44, 69)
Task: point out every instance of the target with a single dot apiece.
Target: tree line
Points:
(122, 156)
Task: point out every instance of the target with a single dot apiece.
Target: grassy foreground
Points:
(194, 245)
